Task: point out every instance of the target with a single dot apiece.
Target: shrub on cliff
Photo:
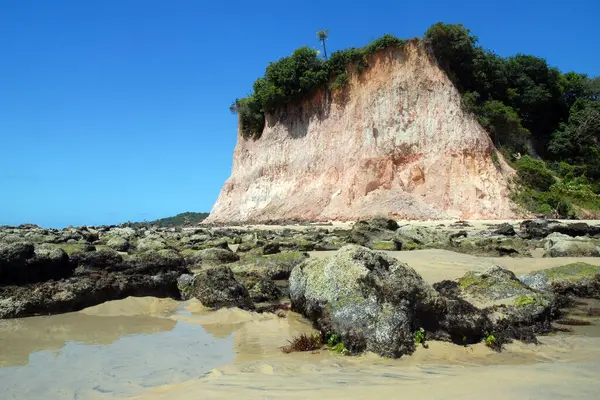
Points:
(534, 173)
(298, 77)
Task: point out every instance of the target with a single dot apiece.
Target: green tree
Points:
(576, 142)
(323, 35)
(454, 48)
(504, 126)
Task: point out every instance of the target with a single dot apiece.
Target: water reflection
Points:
(94, 354)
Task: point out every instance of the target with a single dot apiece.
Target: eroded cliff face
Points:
(394, 142)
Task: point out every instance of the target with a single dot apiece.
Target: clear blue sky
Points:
(117, 110)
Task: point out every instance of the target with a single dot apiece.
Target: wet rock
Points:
(262, 290)
(76, 293)
(13, 262)
(185, 284)
(515, 310)
(505, 229)
(271, 248)
(577, 279)
(22, 263)
(374, 302)
(101, 259)
(217, 287)
(52, 262)
(118, 243)
(539, 229)
(367, 232)
(153, 262)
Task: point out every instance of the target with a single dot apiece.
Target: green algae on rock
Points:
(578, 279)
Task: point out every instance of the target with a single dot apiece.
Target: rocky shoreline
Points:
(369, 300)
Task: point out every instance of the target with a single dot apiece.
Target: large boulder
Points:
(367, 232)
(515, 310)
(107, 259)
(217, 287)
(561, 245)
(13, 262)
(376, 303)
(22, 263)
(539, 229)
(578, 279)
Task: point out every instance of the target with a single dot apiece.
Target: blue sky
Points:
(117, 110)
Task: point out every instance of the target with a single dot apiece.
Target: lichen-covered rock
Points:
(13, 261)
(22, 263)
(101, 259)
(515, 310)
(217, 287)
(375, 302)
(578, 279)
(367, 232)
(561, 245)
(151, 242)
(212, 256)
(276, 266)
(421, 235)
(386, 245)
(262, 289)
(118, 243)
(152, 262)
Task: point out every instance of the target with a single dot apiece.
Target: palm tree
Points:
(322, 35)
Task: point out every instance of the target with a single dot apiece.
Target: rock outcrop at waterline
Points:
(395, 141)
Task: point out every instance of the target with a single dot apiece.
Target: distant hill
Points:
(183, 219)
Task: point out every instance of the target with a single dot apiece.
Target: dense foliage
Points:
(298, 77)
(182, 219)
(529, 109)
(533, 109)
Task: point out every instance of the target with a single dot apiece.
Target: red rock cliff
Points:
(395, 142)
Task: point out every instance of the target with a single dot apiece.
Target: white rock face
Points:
(395, 142)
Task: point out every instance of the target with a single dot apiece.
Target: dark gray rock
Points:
(217, 287)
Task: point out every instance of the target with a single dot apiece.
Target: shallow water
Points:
(146, 348)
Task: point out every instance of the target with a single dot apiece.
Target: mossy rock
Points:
(385, 245)
(494, 285)
(274, 266)
(579, 279)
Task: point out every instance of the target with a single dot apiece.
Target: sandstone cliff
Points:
(394, 142)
